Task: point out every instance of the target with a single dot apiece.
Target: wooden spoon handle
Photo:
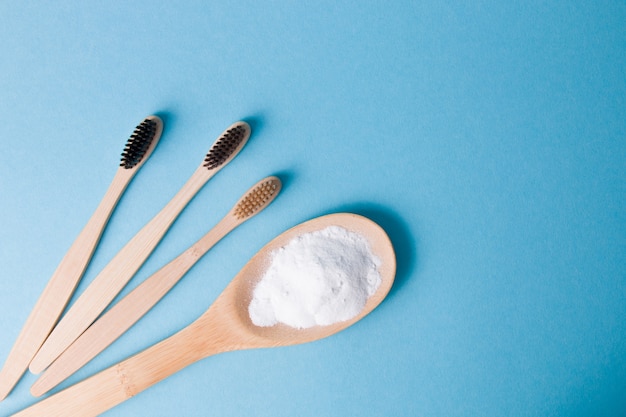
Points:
(115, 275)
(61, 286)
(120, 382)
(128, 311)
(131, 308)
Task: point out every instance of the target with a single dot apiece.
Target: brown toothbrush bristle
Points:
(138, 143)
(257, 198)
(225, 146)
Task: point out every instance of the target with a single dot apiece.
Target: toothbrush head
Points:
(257, 198)
(139, 142)
(227, 146)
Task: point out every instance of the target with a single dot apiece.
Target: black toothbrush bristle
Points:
(224, 147)
(138, 143)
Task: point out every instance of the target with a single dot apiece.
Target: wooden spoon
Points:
(225, 326)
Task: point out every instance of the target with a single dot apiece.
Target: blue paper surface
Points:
(488, 139)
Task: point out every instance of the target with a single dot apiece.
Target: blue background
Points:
(487, 138)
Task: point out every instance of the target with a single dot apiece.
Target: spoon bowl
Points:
(225, 326)
(236, 298)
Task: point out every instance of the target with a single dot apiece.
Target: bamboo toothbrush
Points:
(131, 308)
(224, 327)
(125, 264)
(63, 282)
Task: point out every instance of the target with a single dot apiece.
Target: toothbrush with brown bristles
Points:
(64, 280)
(112, 279)
(112, 324)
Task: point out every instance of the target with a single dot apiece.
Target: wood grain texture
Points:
(117, 320)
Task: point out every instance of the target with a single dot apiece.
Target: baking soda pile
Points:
(317, 279)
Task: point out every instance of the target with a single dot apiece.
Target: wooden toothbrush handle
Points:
(126, 379)
(115, 275)
(127, 311)
(61, 286)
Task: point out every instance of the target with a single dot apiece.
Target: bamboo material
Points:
(131, 308)
(68, 273)
(225, 326)
(125, 264)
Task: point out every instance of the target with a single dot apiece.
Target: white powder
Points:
(318, 278)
